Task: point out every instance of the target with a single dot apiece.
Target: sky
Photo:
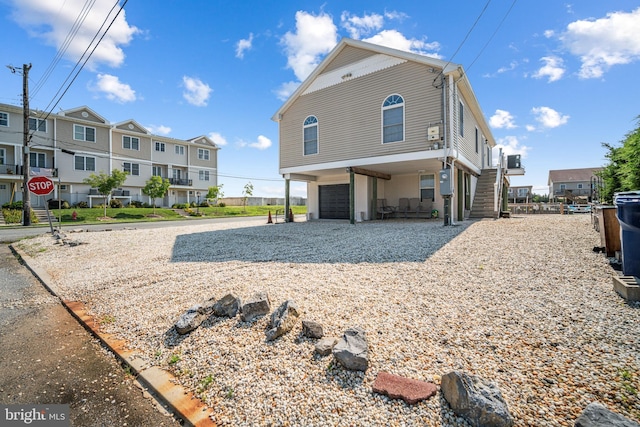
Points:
(554, 79)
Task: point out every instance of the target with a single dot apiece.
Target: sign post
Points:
(41, 186)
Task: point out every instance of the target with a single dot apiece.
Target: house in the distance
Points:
(520, 194)
(573, 185)
(376, 125)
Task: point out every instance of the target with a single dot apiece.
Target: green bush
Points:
(222, 204)
(115, 203)
(15, 205)
(136, 204)
(81, 205)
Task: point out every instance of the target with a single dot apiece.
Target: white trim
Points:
(391, 107)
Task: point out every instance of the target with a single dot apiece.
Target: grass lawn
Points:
(115, 215)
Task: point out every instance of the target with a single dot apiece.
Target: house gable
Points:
(84, 113)
(131, 126)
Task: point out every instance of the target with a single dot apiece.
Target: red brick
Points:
(397, 387)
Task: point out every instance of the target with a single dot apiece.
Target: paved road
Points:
(48, 358)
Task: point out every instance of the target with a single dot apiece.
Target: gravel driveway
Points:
(522, 302)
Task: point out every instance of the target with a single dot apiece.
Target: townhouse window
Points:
(203, 154)
(180, 150)
(130, 143)
(160, 146)
(310, 135)
(37, 124)
(563, 187)
(579, 186)
(393, 119)
(523, 192)
(84, 133)
(37, 160)
(477, 140)
(4, 119)
(156, 171)
(203, 175)
(84, 163)
(427, 187)
(131, 168)
(177, 174)
(461, 119)
(3, 156)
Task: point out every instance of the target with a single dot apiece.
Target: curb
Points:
(164, 385)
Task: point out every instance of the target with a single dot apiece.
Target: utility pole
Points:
(26, 198)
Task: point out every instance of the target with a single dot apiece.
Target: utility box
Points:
(513, 161)
(446, 184)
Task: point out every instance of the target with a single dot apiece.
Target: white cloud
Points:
(196, 92)
(244, 44)
(261, 144)
(510, 145)
(218, 139)
(286, 90)
(396, 40)
(314, 37)
(548, 117)
(605, 42)
(159, 130)
(502, 120)
(553, 69)
(52, 21)
(358, 25)
(113, 89)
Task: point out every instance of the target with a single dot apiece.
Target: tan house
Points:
(520, 194)
(573, 185)
(373, 124)
(72, 144)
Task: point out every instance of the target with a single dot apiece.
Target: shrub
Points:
(81, 205)
(222, 204)
(115, 203)
(12, 216)
(14, 206)
(136, 204)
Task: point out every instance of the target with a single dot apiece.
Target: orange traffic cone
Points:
(290, 215)
(269, 220)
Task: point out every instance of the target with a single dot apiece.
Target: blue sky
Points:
(554, 79)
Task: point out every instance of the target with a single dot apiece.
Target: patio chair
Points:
(384, 209)
(403, 206)
(414, 206)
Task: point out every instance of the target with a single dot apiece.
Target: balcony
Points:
(7, 169)
(181, 181)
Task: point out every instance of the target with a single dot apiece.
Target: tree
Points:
(622, 173)
(215, 193)
(156, 187)
(106, 183)
(246, 193)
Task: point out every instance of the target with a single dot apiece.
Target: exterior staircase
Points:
(483, 200)
(41, 214)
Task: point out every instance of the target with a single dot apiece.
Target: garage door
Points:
(334, 201)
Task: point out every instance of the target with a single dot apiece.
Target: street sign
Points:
(40, 185)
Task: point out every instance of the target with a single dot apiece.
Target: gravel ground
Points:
(523, 302)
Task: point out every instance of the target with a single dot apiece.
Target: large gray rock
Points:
(283, 320)
(478, 401)
(228, 306)
(312, 329)
(324, 346)
(258, 305)
(190, 320)
(596, 415)
(352, 350)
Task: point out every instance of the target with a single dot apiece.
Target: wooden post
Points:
(287, 205)
(373, 213)
(352, 198)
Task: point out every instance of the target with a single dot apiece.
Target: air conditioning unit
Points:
(433, 133)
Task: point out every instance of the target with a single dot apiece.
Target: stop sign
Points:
(40, 185)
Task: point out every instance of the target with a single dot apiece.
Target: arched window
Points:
(310, 135)
(393, 119)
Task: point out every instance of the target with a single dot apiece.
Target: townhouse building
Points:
(70, 145)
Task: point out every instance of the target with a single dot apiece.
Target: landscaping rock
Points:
(283, 320)
(397, 387)
(190, 320)
(228, 306)
(312, 329)
(258, 305)
(478, 401)
(596, 415)
(324, 347)
(352, 350)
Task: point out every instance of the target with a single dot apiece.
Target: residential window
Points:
(461, 119)
(177, 173)
(3, 156)
(477, 140)
(203, 154)
(156, 170)
(523, 192)
(4, 119)
(180, 150)
(160, 146)
(131, 168)
(310, 132)
(579, 186)
(563, 187)
(427, 187)
(37, 124)
(393, 119)
(83, 163)
(37, 160)
(130, 143)
(84, 133)
(204, 175)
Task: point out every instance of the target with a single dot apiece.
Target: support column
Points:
(352, 197)
(373, 208)
(287, 205)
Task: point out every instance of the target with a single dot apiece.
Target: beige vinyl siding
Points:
(348, 56)
(65, 137)
(467, 145)
(195, 161)
(144, 151)
(350, 115)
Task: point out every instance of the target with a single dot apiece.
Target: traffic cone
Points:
(269, 220)
(290, 215)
